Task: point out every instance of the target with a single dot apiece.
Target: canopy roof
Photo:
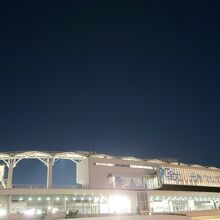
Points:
(77, 156)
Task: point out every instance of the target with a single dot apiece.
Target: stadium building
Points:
(109, 185)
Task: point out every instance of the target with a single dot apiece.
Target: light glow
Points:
(2, 212)
(141, 167)
(29, 212)
(96, 199)
(105, 164)
(119, 204)
(39, 212)
(54, 210)
(49, 207)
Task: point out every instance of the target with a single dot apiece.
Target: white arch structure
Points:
(11, 159)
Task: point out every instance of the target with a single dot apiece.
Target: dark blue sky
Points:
(137, 78)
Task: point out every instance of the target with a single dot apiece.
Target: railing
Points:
(44, 186)
(66, 187)
(30, 186)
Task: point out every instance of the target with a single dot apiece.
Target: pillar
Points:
(65, 205)
(10, 173)
(49, 173)
(170, 205)
(191, 205)
(8, 204)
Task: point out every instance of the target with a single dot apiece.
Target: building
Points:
(109, 185)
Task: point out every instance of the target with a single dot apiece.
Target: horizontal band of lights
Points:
(141, 167)
(124, 165)
(105, 164)
(75, 199)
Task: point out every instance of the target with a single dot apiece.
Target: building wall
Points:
(99, 174)
(82, 172)
(94, 172)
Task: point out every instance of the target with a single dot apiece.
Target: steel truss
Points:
(11, 159)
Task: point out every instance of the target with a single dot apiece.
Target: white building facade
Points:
(110, 185)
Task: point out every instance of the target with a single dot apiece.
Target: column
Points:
(65, 204)
(191, 205)
(8, 205)
(170, 205)
(10, 173)
(49, 173)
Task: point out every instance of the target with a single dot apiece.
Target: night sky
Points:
(134, 78)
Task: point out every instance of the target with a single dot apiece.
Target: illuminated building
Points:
(108, 184)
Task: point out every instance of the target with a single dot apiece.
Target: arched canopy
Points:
(45, 157)
(69, 156)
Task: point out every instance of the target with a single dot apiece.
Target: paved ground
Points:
(202, 215)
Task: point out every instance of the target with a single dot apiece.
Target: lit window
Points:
(105, 164)
(141, 167)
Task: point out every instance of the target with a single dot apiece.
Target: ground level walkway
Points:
(201, 215)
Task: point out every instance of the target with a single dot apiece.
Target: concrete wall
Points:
(82, 172)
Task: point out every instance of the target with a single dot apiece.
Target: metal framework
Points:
(11, 159)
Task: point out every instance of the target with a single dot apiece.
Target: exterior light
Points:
(30, 199)
(54, 210)
(74, 199)
(90, 198)
(29, 212)
(119, 203)
(82, 198)
(2, 212)
(57, 198)
(66, 198)
(49, 207)
(39, 212)
(20, 198)
(96, 199)
(39, 199)
(48, 198)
